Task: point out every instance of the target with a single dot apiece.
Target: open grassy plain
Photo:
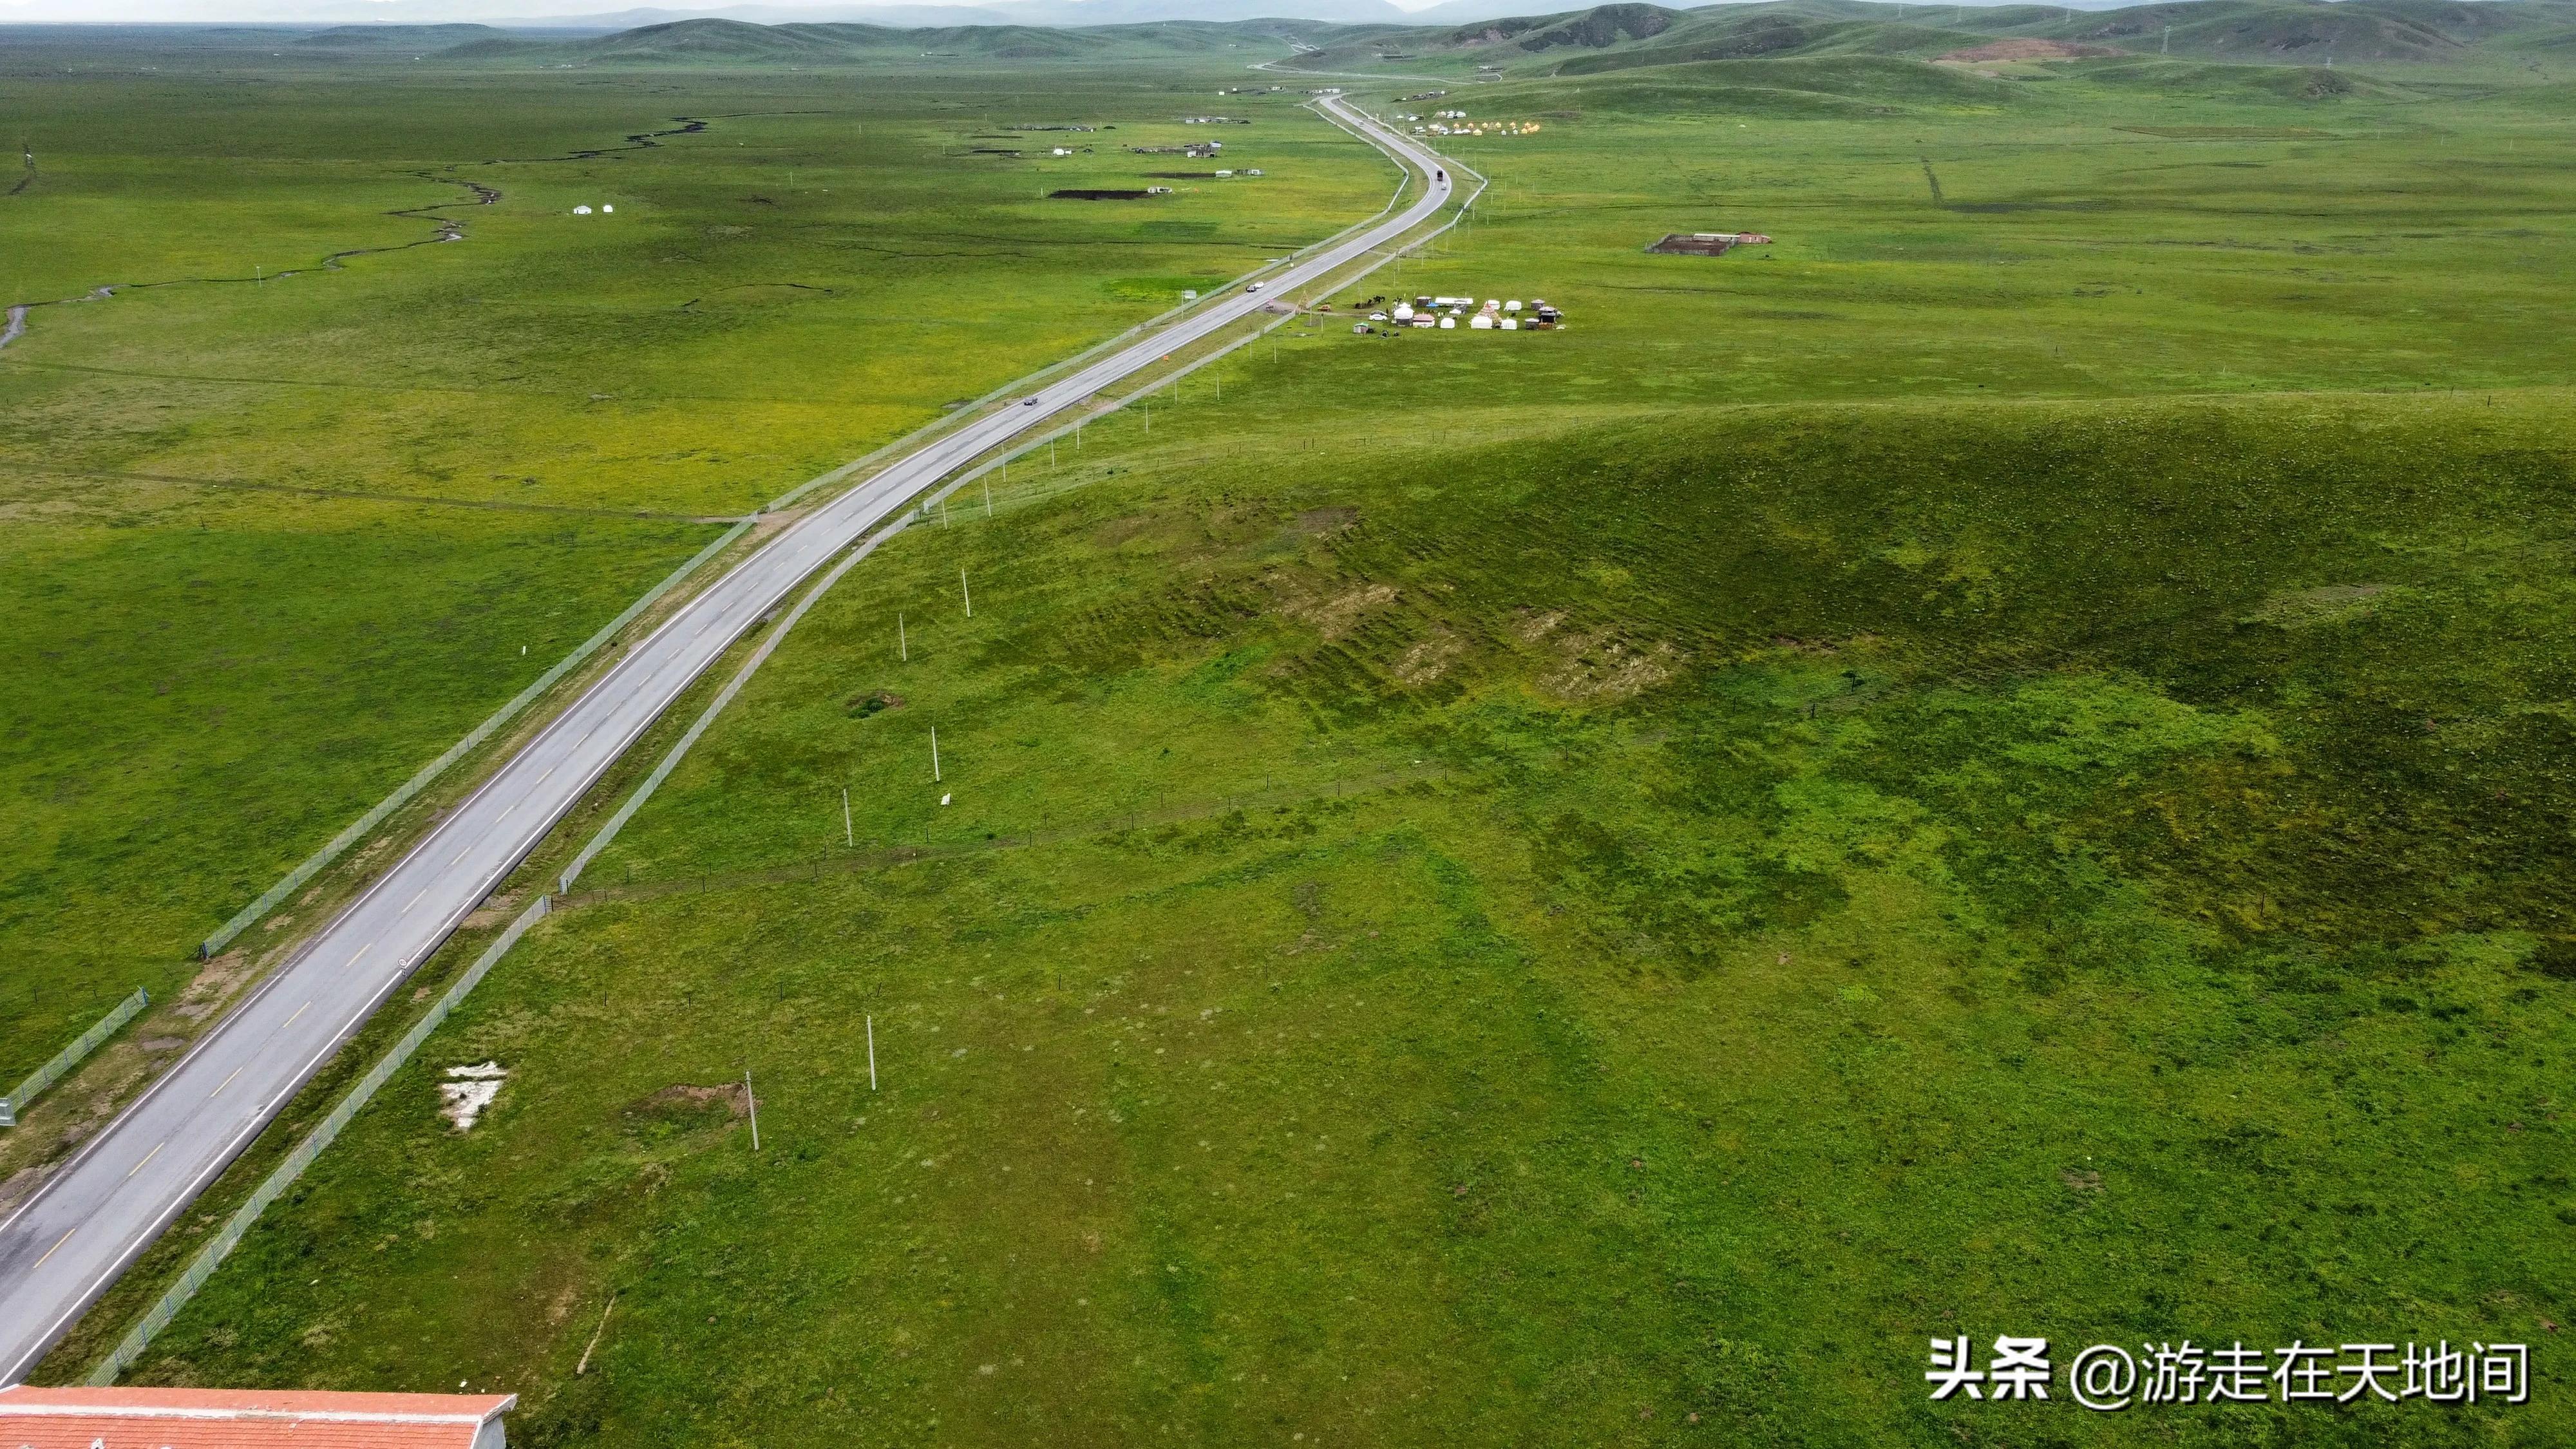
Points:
(1998, 765)
(277, 540)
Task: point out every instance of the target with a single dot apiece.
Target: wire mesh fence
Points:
(70, 1056)
(283, 1176)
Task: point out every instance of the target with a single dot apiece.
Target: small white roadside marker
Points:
(934, 754)
(872, 1053)
(754, 1103)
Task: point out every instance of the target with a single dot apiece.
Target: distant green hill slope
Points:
(1590, 41)
(716, 42)
(1798, 87)
(411, 39)
(2296, 32)
(2303, 31)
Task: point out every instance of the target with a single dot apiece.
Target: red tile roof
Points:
(41, 1418)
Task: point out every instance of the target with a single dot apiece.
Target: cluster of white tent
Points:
(1494, 313)
(585, 211)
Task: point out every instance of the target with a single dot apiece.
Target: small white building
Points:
(1480, 322)
(1511, 324)
(581, 211)
(1448, 324)
(1512, 306)
(1404, 311)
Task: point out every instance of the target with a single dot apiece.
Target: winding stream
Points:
(450, 228)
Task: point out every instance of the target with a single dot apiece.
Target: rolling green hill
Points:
(2273, 32)
(409, 39)
(1573, 42)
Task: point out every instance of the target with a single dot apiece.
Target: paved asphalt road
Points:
(62, 1249)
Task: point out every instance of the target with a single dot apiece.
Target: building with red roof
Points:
(74, 1418)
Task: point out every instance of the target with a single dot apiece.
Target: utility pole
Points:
(872, 1053)
(848, 836)
(754, 1104)
(934, 754)
(968, 593)
(902, 644)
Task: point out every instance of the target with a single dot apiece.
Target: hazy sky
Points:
(418, 11)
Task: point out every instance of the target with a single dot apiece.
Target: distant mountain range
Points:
(541, 14)
(1463, 36)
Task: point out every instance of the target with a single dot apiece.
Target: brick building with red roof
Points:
(39, 1418)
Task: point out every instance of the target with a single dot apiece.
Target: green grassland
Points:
(1999, 765)
(2525, 37)
(502, 439)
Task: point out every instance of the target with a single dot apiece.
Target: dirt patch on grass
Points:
(212, 985)
(1601, 668)
(1430, 659)
(681, 1098)
(1536, 624)
(861, 706)
(2327, 604)
(1119, 531)
(1335, 615)
(1318, 522)
(496, 911)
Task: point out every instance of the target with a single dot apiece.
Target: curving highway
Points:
(61, 1249)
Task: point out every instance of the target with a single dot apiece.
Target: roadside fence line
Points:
(70, 1056)
(213, 1254)
(339, 843)
(274, 1186)
(724, 696)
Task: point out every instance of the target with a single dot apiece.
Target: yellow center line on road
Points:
(147, 1157)
(362, 950)
(415, 900)
(228, 1081)
(299, 1011)
(58, 1245)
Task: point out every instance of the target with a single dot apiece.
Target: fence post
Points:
(70, 1056)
